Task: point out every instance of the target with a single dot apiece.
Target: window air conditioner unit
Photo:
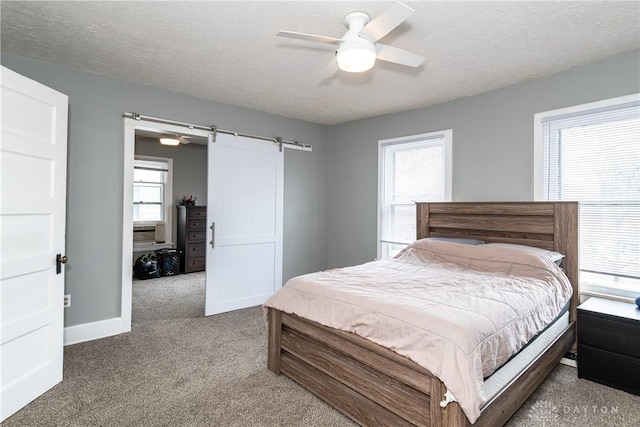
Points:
(160, 233)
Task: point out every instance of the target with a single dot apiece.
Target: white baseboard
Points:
(94, 330)
(569, 362)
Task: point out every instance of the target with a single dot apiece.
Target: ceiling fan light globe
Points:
(356, 60)
(169, 141)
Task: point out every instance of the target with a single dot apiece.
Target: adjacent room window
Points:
(410, 169)
(591, 154)
(152, 194)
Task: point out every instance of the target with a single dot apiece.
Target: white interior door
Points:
(245, 204)
(33, 160)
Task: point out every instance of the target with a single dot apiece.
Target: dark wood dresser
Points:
(609, 343)
(192, 235)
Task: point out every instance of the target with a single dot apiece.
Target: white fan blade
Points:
(308, 37)
(399, 56)
(386, 22)
(328, 73)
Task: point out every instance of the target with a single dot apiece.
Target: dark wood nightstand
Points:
(609, 343)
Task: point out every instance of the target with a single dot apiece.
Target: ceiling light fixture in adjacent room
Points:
(167, 140)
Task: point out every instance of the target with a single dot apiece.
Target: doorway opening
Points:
(241, 228)
(156, 178)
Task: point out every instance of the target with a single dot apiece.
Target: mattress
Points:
(501, 378)
(459, 311)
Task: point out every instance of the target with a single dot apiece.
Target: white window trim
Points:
(447, 136)
(168, 199)
(539, 118)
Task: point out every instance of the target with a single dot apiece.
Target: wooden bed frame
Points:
(375, 386)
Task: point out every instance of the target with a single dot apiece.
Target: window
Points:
(591, 154)
(152, 192)
(410, 169)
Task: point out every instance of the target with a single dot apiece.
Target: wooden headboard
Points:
(547, 225)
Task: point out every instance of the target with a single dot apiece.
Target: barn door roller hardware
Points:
(215, 130)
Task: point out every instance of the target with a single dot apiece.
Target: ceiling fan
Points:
(358, 48)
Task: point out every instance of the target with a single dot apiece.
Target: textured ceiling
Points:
(228, 52)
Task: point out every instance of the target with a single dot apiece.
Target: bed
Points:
(378, 387)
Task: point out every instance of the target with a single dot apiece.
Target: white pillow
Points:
(553, 256)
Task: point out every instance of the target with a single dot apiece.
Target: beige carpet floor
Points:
(179, 368)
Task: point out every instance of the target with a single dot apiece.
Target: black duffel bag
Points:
(146, 267)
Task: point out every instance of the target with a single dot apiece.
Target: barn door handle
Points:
(213, 235)
(60, 259)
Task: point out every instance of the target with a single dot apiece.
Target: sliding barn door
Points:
(33, 169)
(244, 213)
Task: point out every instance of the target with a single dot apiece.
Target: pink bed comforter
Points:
(459, 311)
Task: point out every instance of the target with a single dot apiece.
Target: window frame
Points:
(446, 136)
(538, 172)
(167, 203)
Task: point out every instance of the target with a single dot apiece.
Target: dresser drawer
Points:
(605, 367)
(194, 264)
(609, 333)
(195, 249)
(196, 235)
(197, 213)
(197, 224)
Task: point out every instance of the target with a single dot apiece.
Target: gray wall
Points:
(95, 177)
(189, 170)
(330, 194)
(492, 147)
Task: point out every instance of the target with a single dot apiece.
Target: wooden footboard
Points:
(367, 382)
(377, 387)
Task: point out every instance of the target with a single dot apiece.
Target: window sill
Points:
(150, 246)
(585, 294)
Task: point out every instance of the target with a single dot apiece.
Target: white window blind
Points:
(592, 155)
(411, 169)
